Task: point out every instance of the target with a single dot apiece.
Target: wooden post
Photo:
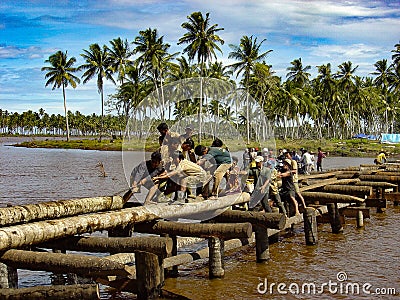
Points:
(310, 226)
(262, 244)
(216, 253)
(334, 215)
(149, 274)
(173, 271)
(360, 219)
(8, 277)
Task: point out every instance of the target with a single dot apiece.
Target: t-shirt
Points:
(221, 156)
(143, 170)
(294, 167)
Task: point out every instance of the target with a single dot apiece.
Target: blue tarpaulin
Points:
(390, 138)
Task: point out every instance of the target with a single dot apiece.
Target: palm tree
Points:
(247, 54)
(202, 40)
(119, 57)
(298, 74)
(345, 76)
(396, 55)
(60, 74)
(98, 62)
(381, 80)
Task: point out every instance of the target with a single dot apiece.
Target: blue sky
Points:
(318, 32)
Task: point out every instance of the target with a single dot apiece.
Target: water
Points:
(369, 255)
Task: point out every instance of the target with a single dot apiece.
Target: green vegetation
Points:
(333, 105)
(351, 148)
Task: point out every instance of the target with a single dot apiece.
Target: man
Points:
(165, 134)
(294, 168)
(188, 175)
(288, 190)
(188, 133)
(321, 155)
(307, 160)
(381, 158)
(187, 149)
(223, 162)
(143, 175)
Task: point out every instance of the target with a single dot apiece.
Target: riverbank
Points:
(349, 148)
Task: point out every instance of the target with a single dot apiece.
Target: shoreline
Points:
(341, 148)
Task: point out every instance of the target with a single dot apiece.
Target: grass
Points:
(335, 147)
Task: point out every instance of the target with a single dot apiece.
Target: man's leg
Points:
(218, 175)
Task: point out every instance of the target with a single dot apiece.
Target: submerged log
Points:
(57, 209)
(53, 292)
(158, 245)
(359, 191)
(38, 232)
(226, 231)
(267, 220)
(58, 263)
(324, 198)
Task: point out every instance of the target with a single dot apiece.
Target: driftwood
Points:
(267, 220)
(158, 245)
(359, 191)
(324, 198)
(84, 265)
(53, 292)
(226, 231)
(57, 209)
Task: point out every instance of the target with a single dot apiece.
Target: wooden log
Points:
(348, 175)
(150, 278)
(310, 226)
(346, 181)
(58, 263)
(158, 245)
(57, 209)
(317, 176)
(216, 257)
(53, 292)
(8, 277)
(352, 212)
(385, 178)
(334, 215)
(381, 184)
(325, 198)
(38, 232)
(262, 244)
(226, 231)
(268, 220)
(358, 191)
(318, 184)
(392, 196)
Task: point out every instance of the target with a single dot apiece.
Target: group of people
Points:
(179, 170)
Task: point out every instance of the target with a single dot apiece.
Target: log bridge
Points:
(142, 246)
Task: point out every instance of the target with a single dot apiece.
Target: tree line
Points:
(334, 104)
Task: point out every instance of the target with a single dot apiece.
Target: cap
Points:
(259, 159)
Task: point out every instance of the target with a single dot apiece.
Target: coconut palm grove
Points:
(337, 103)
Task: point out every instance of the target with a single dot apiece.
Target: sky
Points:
(318, 32)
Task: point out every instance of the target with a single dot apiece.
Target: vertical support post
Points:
(173, 271)
(8, 277)
(149, 274)
(360, 219)
(216, 254)
(262, 243)
(334, 216)
(310, 226)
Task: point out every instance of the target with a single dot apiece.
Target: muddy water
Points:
(369, 257)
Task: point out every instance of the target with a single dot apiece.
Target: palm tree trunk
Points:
(65, 112)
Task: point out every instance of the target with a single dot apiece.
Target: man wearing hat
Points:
(188, 133)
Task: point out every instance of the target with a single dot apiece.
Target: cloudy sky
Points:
(318, 32)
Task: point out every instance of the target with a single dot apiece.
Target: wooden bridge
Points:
(143, 241)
